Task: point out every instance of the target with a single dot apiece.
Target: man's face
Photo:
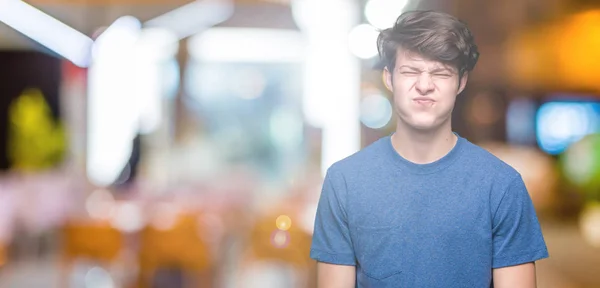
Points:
(424, 90)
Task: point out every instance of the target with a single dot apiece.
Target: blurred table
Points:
(573, 263)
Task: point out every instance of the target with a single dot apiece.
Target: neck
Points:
(423, 147)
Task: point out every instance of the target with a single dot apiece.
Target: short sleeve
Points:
(331, 241)
(517, 236)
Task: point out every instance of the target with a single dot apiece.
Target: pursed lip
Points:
(423, 99)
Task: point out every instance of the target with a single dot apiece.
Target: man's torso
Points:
(423, 227)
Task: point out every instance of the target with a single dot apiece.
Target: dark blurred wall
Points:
(492, 23)
(480, 112)
(20, 70)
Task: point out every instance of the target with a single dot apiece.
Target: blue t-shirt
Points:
(442, 224)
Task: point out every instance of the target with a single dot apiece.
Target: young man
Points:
(424, 207)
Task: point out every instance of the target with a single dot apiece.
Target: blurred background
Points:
(155, 143)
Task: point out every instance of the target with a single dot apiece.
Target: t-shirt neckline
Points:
(428, 168)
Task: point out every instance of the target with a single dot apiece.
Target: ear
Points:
(387, 79)
(463, 83)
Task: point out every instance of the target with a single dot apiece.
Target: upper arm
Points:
(335, 276)
(516, 232)
(515, 276)
(331, 242)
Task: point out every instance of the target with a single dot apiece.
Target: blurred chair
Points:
(3, 254)
(95, 241)
(178, 250)
(268, 245)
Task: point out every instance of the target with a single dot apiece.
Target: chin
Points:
(420, 121)
(423, 127)
(423, 124)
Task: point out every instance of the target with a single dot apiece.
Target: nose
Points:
(424, 84)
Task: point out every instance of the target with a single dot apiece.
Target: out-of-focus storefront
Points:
(151, 142)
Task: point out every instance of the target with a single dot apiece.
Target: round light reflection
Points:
(375, 111)
(362, 41)
(280, 239)
(589, 223)
(383, 13)
(283, 222)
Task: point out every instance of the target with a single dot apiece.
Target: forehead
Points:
(412, 59)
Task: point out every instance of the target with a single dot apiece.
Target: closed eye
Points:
(409, 73)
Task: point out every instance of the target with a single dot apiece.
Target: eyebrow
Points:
(436, 70)
(441, 69)
(410, 67)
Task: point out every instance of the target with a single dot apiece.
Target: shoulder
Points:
(483, 162)
(504, 182)
(367, 158)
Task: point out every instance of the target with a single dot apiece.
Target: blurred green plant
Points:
(580, 165)
(35, 141)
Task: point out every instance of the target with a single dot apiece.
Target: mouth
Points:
(424, 101)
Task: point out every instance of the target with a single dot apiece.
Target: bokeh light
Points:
(128, 217)
(375, 111)
(581, 164)
(559, 124)
(383, 13)
(280, 239)
(100, 204)
(362, 41)
(283, 222)
(98, 278)
(589, 223)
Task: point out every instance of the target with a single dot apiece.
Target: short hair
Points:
(434, 35)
